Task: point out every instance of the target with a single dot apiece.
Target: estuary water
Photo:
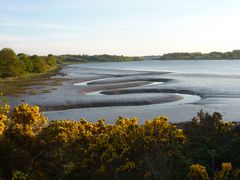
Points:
(144, 89)
(230, 67)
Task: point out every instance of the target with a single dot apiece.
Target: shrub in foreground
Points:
(64, 149)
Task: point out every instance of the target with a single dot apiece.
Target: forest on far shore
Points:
(235, 54)
(99, 58)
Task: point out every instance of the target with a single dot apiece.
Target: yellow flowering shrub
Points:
(2, 125)
(197, 171)
(161, 132)
(4, 112)
(67, 149)
(226, 167)
(225, 172)
(124, 122)
(106, 149)
(26, 122)
(29, 116)
(61, 131)
(162, 142)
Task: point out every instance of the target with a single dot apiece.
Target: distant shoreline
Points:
(191, 59)
(235, 54)
(75, 59)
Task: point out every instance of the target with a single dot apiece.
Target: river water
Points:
(145, 89)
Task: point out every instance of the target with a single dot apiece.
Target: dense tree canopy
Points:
(27, 61)
(38, 64)
(12, 65)
(51, 60)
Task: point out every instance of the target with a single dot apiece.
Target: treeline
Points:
(99, 58)
(211, 56)
(204, 148)
(12, 65)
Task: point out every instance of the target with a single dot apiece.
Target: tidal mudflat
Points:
(177, 89)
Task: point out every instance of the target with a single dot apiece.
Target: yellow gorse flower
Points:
(198, 171)
(226, 167)
(2, 125)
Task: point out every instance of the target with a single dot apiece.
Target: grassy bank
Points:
(18, 85)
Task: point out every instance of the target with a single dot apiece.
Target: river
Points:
(144, 89)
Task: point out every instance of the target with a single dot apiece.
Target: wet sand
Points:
(74, 92)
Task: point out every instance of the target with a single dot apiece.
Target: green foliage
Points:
(12, 65)
(99, 58)
(83, 150)
(28, 63)
(4, 106)
(67, 149)
(51, 60)
(18, 175)
(212, 55)
(94, 150)
(38, 64)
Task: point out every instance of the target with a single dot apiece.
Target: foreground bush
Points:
(65, 149)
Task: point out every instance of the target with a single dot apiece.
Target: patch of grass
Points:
(28, 83)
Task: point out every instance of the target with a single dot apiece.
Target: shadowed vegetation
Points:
(204, 148)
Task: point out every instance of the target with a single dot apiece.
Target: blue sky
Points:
(127, 27)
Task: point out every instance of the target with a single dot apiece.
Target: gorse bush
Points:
(197, 171)
(31, 148)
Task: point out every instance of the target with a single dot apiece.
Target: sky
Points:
(121, 27)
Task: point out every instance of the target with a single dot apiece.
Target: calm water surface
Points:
(211, 85)
(229, 67)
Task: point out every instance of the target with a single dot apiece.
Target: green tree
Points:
(28, 63)
(10, 66)
(38, 64)
(51, 60)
